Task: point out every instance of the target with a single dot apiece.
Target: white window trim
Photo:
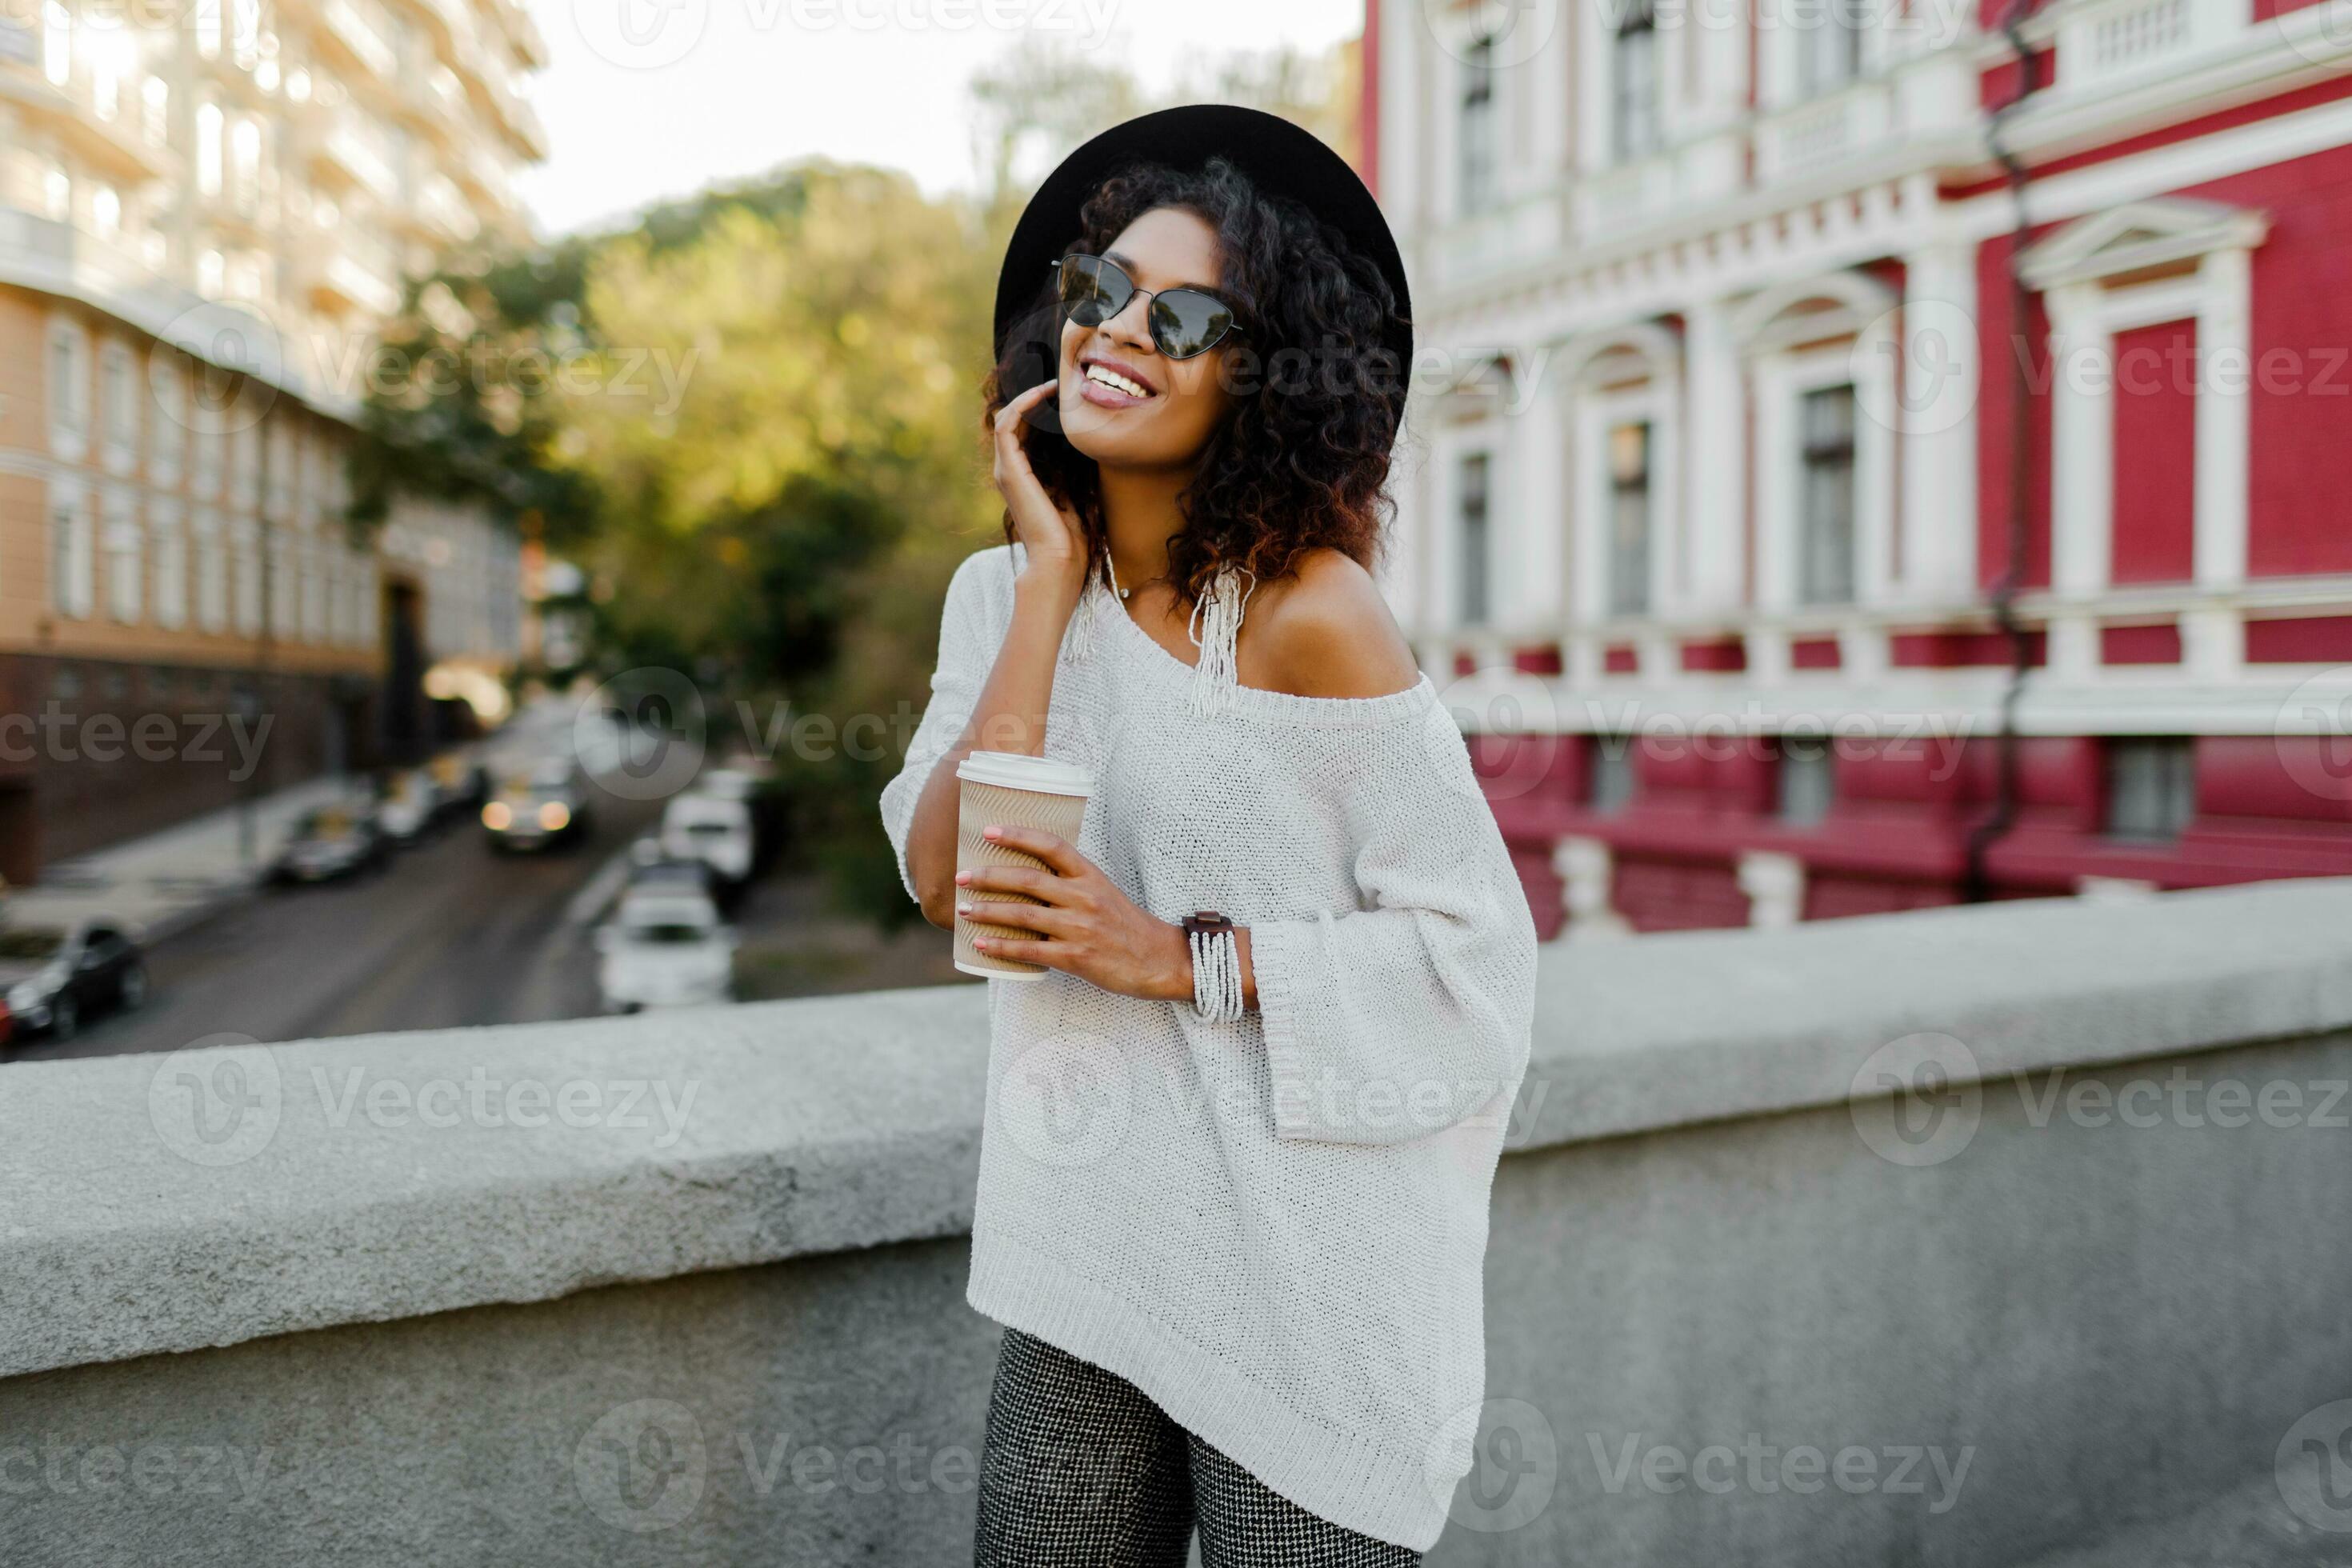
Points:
(214, 588)
(167, 399)
(244, 443)
(1596, 52)
(1782, 379)
(208, 457)
(2084, 319)
(1780, 31)
(168, 544)
(70, 407)
(1597, 411)
(248, 577)
(80, 586)
(1449, 451)
(2086, 314)
(126, 599)
(119, 426)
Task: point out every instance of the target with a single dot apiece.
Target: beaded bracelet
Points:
(1216, 976)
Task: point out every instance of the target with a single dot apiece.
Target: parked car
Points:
(665, 946)
(654, 869)
(54, 978)
(538, 807)
(714, 829)
(462, 782)
(755, 783)
(332, 842)
(412, 799)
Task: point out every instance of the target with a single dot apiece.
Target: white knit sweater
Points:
(1274, 1227)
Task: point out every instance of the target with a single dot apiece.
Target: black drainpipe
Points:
(2003, 816)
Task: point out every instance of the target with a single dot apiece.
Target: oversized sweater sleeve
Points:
(968, 639)
(1412, 1013)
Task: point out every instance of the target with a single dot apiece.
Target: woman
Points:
(1233, 1178)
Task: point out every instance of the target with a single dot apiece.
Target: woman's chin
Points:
(1106, 448)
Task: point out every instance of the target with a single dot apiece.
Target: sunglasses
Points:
(1184, 322)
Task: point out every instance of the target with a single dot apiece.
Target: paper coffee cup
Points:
(1014, 788)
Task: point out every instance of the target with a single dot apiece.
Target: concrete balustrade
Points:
(688, 1289)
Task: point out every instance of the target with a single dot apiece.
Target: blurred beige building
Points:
(206, 207)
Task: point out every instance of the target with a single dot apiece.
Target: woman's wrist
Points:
(1048, 588)
(1172, 975)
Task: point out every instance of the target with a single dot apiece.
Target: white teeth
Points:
(1117, 382)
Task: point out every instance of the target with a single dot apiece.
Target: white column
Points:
(1551, 108)
(2082, 487)
(2226, 363)
(1587, 537)
(1942, 357)
(1714, 496)
(1441, 599)
(1670, 523)
(1591, 46)
(2083, 444)
(1403, 114)
(1584, 867)
(1533, 523)
(1776, 488)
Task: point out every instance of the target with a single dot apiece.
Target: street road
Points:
(448, 934)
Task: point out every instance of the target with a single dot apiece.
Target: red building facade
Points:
(1808, 531)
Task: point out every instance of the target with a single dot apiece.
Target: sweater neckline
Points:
(1288, 707)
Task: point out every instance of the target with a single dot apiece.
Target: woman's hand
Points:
(1098, 932)
(1050, 534)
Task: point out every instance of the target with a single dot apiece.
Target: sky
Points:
(645, 99)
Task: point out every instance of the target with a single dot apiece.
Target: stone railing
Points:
(1958, 1237)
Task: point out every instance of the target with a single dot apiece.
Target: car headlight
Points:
(26, 997)
(553, 816)
(498, 817)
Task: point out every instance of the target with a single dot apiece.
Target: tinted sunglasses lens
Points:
(1092, 292)
(1184, 323)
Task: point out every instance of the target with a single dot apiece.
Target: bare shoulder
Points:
(1327, 631)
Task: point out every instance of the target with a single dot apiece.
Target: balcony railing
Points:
(2106, 42)
(361, 38)
(1810, 136)
(1532, 225)
(352, 155)
(689, 1287)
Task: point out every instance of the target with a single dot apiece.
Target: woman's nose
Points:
(1132, 325)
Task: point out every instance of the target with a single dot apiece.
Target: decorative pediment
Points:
(1834, 305)
(1631, 352)
(2138, 235)
(1479, 390)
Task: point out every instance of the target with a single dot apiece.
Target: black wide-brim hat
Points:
(1280, 158)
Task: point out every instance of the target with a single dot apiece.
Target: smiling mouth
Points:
(1126, 386)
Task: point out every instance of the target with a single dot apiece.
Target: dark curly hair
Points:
(1303, 460)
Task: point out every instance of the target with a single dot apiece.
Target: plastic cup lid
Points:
(1017, 770)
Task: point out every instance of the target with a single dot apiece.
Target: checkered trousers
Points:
(1080, 1469)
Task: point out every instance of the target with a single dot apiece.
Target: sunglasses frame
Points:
(1232, 324)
